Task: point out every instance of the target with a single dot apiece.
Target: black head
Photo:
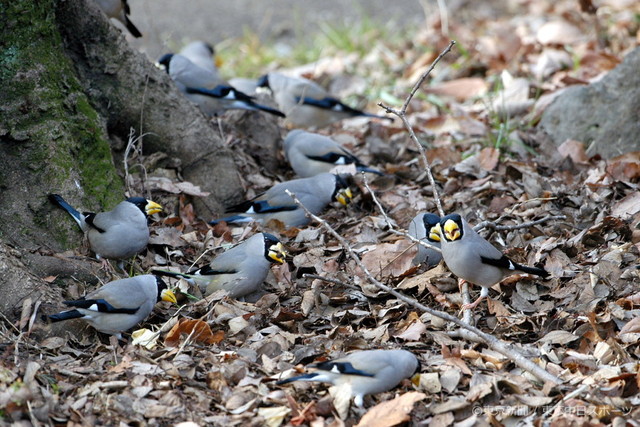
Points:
(164, 293)
(430, 220)
(432, 226)
(270, 239)
(264, 81)
(342, 192)
(140, 202)
(273, 250)
(165, 60)
(162, 285)
(148, 207)
(451, 227)
(210, 48)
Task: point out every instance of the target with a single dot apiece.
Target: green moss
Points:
(51, 129)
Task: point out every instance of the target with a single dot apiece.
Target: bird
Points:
(311, 154)
(306, 103)
(119, 9)
(119, 305)
(425, 226)
(366, 372)
(206, 89)
(240, 270)
(117, 234)
(315, 193)
(473, 259)
(201, 54)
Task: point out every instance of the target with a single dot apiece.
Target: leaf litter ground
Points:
(215, 361)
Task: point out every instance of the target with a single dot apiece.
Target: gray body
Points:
(201, 54)
(117, 234)
(463, 258)
(387, 367)
(126, 232)
(249, 264)
(285, 89)
(300, 146)
(315, 193)
(427, 256)
(187, 74)
(206, 89)
(139, 292)
(119, 9)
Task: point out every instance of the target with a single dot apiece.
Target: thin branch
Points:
(422, 78)
(493, 226)
(491, 341)
(403, 116)
(392, 230)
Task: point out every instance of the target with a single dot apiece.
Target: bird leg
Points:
(483, 294)
(460, 283)
(106, 265)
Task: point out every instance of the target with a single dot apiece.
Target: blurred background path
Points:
(169, 24)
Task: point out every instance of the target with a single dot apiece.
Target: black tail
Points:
(532, 270)
(65, 315)
(300, 377)
(132, 28)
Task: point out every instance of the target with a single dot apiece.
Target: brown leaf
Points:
(201, 332)
(574, 150)
(389, 259)
(391, 412)
(627, 207)
(488, 158)
(631, 326)
(625, 167)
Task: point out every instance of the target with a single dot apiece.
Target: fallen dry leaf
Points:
(198, 330)
(391, 412)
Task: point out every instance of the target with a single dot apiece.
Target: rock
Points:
(603, 115)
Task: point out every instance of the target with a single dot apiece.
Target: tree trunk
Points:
(69, 83)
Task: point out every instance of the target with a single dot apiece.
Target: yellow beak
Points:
(169, 296)
(152, 207)
(434, 233)
(277, 253)
(344, 196)
(218, 61)
(451, 230)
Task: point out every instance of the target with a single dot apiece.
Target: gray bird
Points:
(473, 259)
(119, 305)
(206, 89)
(119, 9)
(367, 372)
(240, 270)
(315, 193)
(306, 103)
(201, 54)
(311, 154)
(117, 234)
(425, 226)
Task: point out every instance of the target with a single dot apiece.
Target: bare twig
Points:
(328, 280)
(392, 230)
(491, 341)
(402, 115)
(494, 226)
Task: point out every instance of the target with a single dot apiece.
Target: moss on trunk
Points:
(52, 139)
